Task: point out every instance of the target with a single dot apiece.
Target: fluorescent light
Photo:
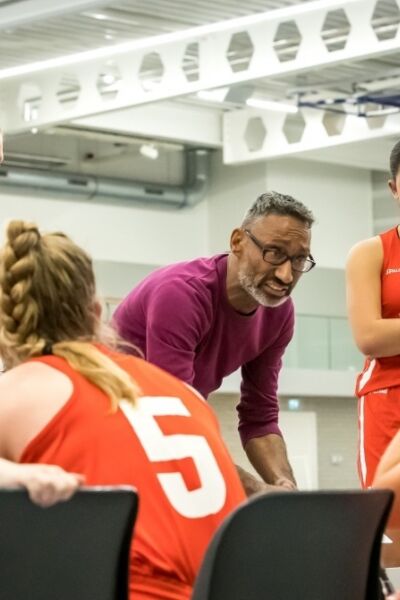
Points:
(166, 38)
(108, 78)
(269, 105)
(149, 151)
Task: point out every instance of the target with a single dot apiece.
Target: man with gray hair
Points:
(203, 319)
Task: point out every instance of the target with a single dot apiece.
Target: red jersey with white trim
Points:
(382, 373)
(168, 447)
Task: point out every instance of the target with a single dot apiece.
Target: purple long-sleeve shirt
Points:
(180, 317)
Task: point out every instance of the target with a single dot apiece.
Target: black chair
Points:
(74, 550)
(298, 546)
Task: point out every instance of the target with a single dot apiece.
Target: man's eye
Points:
(274, 253)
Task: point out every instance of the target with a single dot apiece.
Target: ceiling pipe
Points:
(88, 187)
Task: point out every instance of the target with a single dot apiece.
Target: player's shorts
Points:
(378, 423)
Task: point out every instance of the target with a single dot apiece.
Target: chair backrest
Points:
(298, 546)
(74, 550)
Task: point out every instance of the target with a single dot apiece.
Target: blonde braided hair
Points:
(47, 298)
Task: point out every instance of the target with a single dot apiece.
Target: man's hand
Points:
(287, 484)
(252, 485)
(268, 456)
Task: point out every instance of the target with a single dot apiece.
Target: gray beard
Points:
(247, 284)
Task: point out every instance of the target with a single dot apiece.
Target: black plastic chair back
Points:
(74, 550)
(298, 546)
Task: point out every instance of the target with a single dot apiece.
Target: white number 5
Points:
(210, 497)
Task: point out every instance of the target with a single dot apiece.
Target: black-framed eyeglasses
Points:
(275, 256)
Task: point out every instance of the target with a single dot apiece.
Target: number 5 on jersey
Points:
(210, 497)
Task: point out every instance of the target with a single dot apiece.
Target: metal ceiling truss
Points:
(184, 62)
(251, 135)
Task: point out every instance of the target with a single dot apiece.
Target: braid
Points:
(19, 308)
(47, 306)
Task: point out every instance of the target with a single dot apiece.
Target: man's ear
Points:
(237, 240)
(392, 187)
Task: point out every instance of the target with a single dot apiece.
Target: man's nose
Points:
(284, 272)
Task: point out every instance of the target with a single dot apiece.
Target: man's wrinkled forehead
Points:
(280, 229)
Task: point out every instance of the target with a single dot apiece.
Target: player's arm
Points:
(374, 336)
(23, 398)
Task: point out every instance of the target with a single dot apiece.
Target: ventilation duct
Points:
(88, 187)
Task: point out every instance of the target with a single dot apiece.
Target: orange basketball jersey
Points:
(381, 373)
(168, 447)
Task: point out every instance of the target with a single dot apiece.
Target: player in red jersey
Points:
(69, 399)
(373, 289)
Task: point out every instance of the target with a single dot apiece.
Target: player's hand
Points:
(48, 484)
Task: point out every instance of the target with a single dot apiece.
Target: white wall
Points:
(232, 190)
(340, 198)
(116, 232)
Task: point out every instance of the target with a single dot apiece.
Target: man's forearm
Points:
(268, 456)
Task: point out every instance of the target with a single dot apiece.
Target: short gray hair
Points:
(273, 203)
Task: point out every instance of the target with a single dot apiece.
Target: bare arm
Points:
(45, 484)
(268, 456)
(390, 460)
(30, 395)
(374, 336)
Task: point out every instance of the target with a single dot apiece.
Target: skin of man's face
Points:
(271, 285)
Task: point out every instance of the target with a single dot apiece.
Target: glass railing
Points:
(322, 343)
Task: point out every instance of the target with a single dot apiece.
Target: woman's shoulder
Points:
(30, 381)
(367, 248)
